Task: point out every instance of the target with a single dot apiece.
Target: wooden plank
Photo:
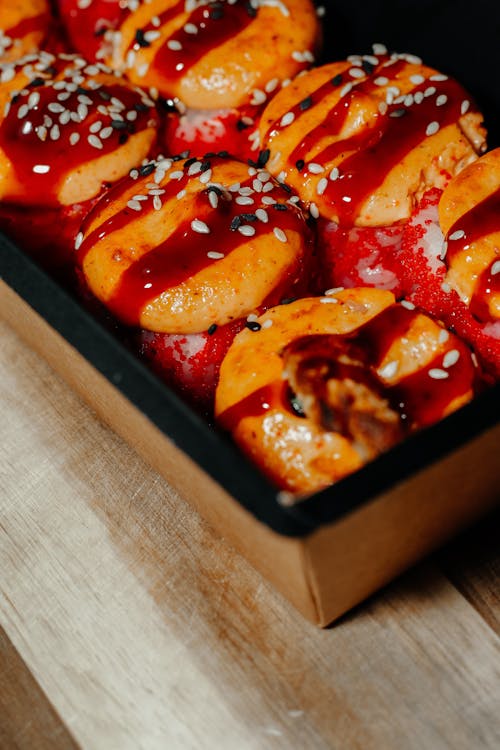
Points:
(27, 719)
(472, 563)
(146, 631)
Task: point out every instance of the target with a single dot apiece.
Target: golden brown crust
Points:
(383, 134)
(23, 26)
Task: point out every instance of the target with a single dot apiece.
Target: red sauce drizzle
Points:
(382, 144)
(21, 144)
(86, 27)
(216, 22)
(184, 252)
(482, 219)
(28, 25)
(420, 399)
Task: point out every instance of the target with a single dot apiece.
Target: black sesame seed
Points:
(118, 124)
(189, 162)
(235, 223)
(214, 189)
(205, 166)
(123, 138)
(139, 38)
(247, 217)
(215, 13)
(100, 31)
(252, 12)
(167, 105)
(306, 103)
(82, 90)
(263, 157)
(252, 325)
(209, 155)
(181, 156)
(240, 125)
(398, 113)
(15, 98)
(36, 82)
(147, 169)
(279, 207)
(140, 107)
(337, 80)
(223, 154)
(105, 95)
(287, 300)
(300, 164)
(285, 187)
(368, 67)
(212, 329)
(50, 70)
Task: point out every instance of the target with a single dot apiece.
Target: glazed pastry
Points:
(66, 129)
(24, 28)
(326, 384)
(362, 140)
(186, 250)
(223, 56)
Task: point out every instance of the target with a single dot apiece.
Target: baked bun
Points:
(66, 128)
(24, 26)
(208, 54)
(363, 139)
(469, 214)
(213, 239)
(327, 383)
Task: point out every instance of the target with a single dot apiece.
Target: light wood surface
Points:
(128, 624)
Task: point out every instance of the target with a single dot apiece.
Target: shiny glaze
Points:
(28, 26)
(420, 399)
(183, 254)
(380, 145)
(480, 221)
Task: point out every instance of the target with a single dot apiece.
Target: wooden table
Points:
(127, 624)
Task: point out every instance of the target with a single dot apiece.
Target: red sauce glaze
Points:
(184, 253)
(21, 143)
(28, 25)
(86, 27)
(216, 22)
(419, 398)
(481, 220)
(379, 146)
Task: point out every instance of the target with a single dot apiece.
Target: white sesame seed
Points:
(457, 235)
(381, 81)
(55, 132)
(451, 358)
(258, 97)
(262, 215)
(345, 89)
(267, 323)
(234, 187)
(346, 198)
(157, 203)
(41, 132)
(78, 240)
(199, 226)
(263, 176)
(95, 127)
(441, 99)
(190, 28)
(280, 235)
(252, 318)
(178, 174)
(417, 79)
(213, 199)
(314, 211)
(315, 168)
(94, 141)
(379, 49)
(382, 108)
(432, 128)
(320, 11)
(257, 185)
(407, 304)
(408, 100)
(82, 111)
(205, 176)
(446, 287)
(297, 56)
(287, 119)
(389, 370)
(266, 199)
(438, 77)
(139, 197)
(142, 70)
(33, 99)
(267, 187)
(194, 168)
(151, 36)
(334, 174)
(437, 374)
(418, 98)
(444, 250)
(443, 336)
(106, 132)
(181, 194)
(246, 230)
(271, 85)
(41, 168)
(356, 73)
(22, 111)
(214, 255)
(464, 107)
(174, 45)
(132, 115)
(308, 56)
(413, 59)
(322, 186)
(328, 300)
(243, 200)
(495, 268)
(430, 91)
(134, 205)
(134, 174)
(74, 138)
(334, 290)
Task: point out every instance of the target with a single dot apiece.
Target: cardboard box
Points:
(329, 552)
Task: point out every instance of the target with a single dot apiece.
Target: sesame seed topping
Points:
(334, 290)
(437, 374)
(356, 73)
(334, 174)
(157, 204)
(178, 174)
(441, 99)
(432, 128)
(262, 215)
(181, 194)
(214, 255)
(94, 141)
(267, 323)
(315, 168)
(495, 268)
(134, 205)
(328, 300)
(287, 119)
(314, 211)
(443, 336)
(271, 85)
(457, 235)
(322, 186)
(41, 168)
(106, 132)
(464, 107)
(78, 240)
(389, 370)
(213, 199)
(74, 138)
(174, 45)
(243, 200)
(199, 226)
(190, 28)
(417, 79)
(451, 358)
(280, 235)
(258, 97)
(379, 49)
(430, 91)
(246, 230)
(381, 81)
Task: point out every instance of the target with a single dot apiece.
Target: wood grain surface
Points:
(128, 624)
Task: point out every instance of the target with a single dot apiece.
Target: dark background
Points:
(457, 37)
